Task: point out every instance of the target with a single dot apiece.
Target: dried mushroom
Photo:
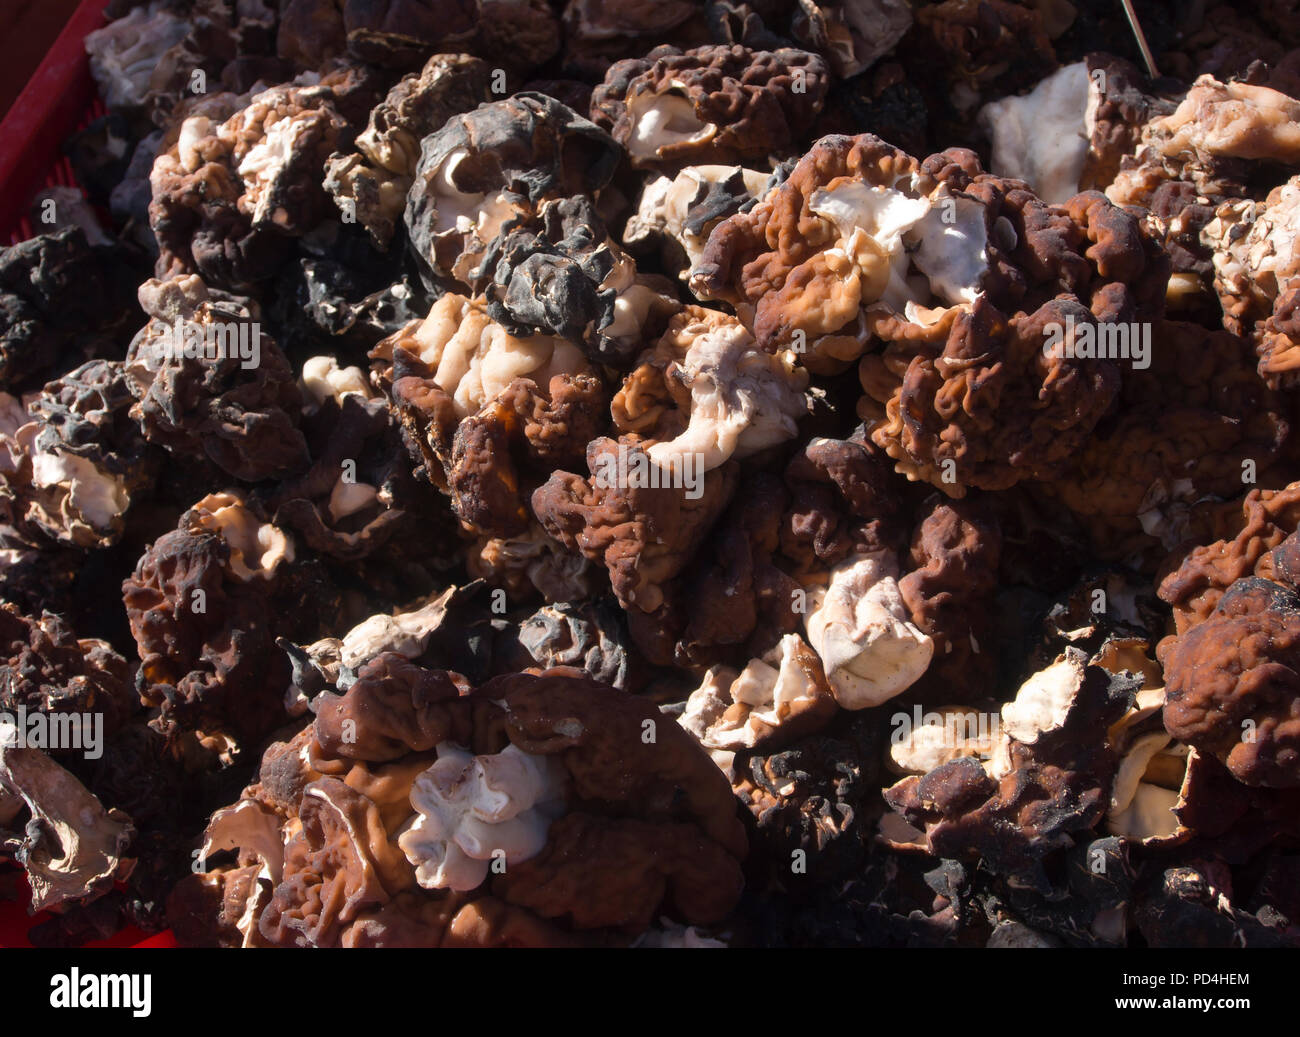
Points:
(852, 34)
(203, 604)
(62, 301)
(1071, 132)
(125, 53)
(706, 393)
(855, 217)
(1188, 426)
(370, 184)
(485, 167)
(209, 383)
(1048, 781)
(772, 699)
(46, 669)
(473, 398)
(607, 473)
(233, 185)
(859, 626)
(71, 471)
(1231, 679)
(629, 516)
(1257, 274)
(409, 787)
(711, 104)
(72, 849)
(680, 212)
(557, 274)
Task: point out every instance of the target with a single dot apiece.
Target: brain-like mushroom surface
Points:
(1248, 530)
(956, 549)
(978, 291)
(1048, 781)
(370, 184)
(1189, 424)
(209, 383)
(234, 183)
(633, 516)
(481, 405)
(639, 473)
(557, 273)
(202, 603)
(1232, 683)
(499, 161)
(712, 104)
(707, 393)
(416, 808)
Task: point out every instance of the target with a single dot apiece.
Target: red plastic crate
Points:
(15, 923)
(59, 99)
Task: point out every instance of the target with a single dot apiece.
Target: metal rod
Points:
(1141, 38)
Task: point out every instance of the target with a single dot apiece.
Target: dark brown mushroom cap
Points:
(845, 499)
(777, 264)
(949, 591)
(363, 433)
(373, 179)
(237, 177)
(1248, 530)
(206, 635)
(650, 822)
(240, 410)
(529, 147)
(550, 274)
(736, 596)
(1125, 102)
(1279, 338)
(756, 101)
(1183, 429)
(988, 408)
(60, 299)
(394, 708)
(644, 535)
(588, 636)
(46, 668)
(1233, 681)
(72, 849)
(1054, 788)
(594, 729)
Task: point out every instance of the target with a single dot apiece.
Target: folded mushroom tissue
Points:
(859, 626)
